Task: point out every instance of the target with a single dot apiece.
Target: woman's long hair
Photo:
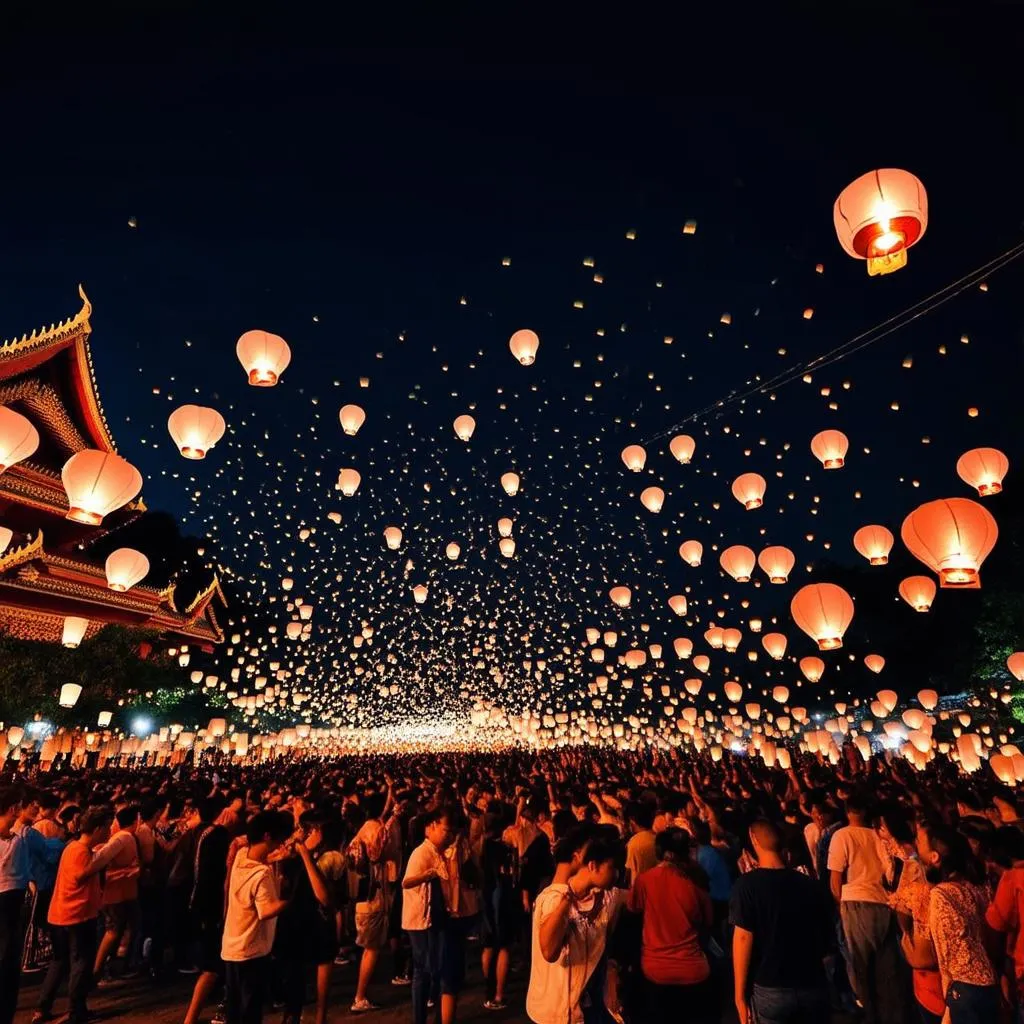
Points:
(955, 857)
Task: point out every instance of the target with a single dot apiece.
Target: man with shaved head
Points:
(783, 929)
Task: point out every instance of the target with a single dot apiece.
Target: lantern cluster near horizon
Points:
(564, 690)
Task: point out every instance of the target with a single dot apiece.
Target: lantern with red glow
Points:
(620, 596)
(918, 592)
(683, 647)
(775, 645)
(823, 611)
(682, 446)
(263, 356)
(874, 543)
(18, 438)
(690, 551)
(97, 483)
(983, 469)
(777, 562)
(731, 639)
(714, 637)
(1015, 663)
(875, 662)
(830, 447)
(738, 561)
(677, 602)
(748, 489)
(952, 536)
(812, 668)
(195, 429)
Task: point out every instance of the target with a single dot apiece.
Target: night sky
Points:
(360, 202)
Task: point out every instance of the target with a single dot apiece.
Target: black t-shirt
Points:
(792, 925)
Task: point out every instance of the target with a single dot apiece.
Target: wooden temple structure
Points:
(45, 570)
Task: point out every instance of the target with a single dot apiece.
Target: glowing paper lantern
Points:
(293, 630)
(823, 611)
(777, 563)
(715, 637)
(263, 356)
(507, 546)
(620, 596)
(874, 543)
(218, 727)
(982, 468)
(125, 567)
(195, 429)
(780, 694)
(287, 583)
(97, 483)
(775, 645)
(104, 718)
(652, 498)
(634, 457)
(1002, 767)
(18, 438)
(879, 216)
(812, 668)
(875, 662)
(15, 735)
(682, 446)
(830, 447)
(510, 481)
(352, 418)
(504, 527)
(733, 691)
(682, 646)
(453, 551)
(702, 663)
(928, 699)
(731, 639)
(888, 699)
(393, 537)
(523, 345)
(952, 536)
(1015, 663)
(69, 694)
(464, 426)
(348, 481)
(419, 593)
(690, 551)
(74, 630)
(693, 686)
(738, 561)
(748, 489)
(918, 592)
(678, 604)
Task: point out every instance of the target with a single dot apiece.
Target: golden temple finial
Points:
(22, 553)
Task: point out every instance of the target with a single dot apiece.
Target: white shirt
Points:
(251, 889)
(553, 996)
(416, 901)
(859, 852)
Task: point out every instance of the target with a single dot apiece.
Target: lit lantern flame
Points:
(812, 668)
(715, 637)
(983, 469)
(690, 551)
(348, 481)
(195, 429)
(620, 596)
(653, 498)
(125, 567)
(523, 345)
(918, 592)
(74, 630)
(510, 481)
(464, 426)
(777, 563)
(682, 446)
(19, 439)
(453, 551)
(677, 602)
(748, 489)
(823, 611)
(419, 593)
(874, 542)
(952, 536)
(263, 356)
(393, 537)
(97, 483)
(682, 646)
(1015, 663)
(775, 645)
(352, 417)
(69, 694)
(738, 561)
(830, 447)
(504, 527)
(634, 457)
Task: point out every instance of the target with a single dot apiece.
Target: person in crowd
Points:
(499, 907)
(121, 888)
(956, 919)
(14, 879)
(460, 888)
(676, 912)
(714, 865)
(571, 924)
(782, 932)
(640, 852)
(1004, 913)
(232, 817)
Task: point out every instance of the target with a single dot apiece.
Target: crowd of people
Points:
(626, 886)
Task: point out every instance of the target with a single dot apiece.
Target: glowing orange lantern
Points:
(738, 561)
(682, 446)
(682, 646)
(879, 216)
(352, 418)
(195, 429)
(348, 482)
(812, 668)
(464, 426)
(823, 611)
(875, 662)
(18, 438)
(701, 662)
(929, 699)
(690, 551)
(510, 481)
(888, 699)
(731, 639)
(263, 356)
(652, 498)
(918, 592)
(620, 596)
(830, 447)
(952, 536)
(507, 546)
(634, 457)
(775, 645)
(748, 489)
(125, 567)
(714, 637)
(733, 691)
(504, 527)
(780, 694)
(678, 604)
(1015, 663)
(523, 345)
(393, 537)
(74, 630)
(453, 551)
(97, 483)
(693, 686)
(777, 562)
(419, 593)
(983, 468)
(874, 543)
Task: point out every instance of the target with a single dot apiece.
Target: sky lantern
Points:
(678, 604)
(780, 694)
(263, 356)
(982, 468)
(464, 426)
(352, 418)
(195, 429)
(1015, 663)
(918, 592)
(829, 448)
(683, 647)
(504, 527)
(1002, 767)
(510, 481)
(620, 596)
(507, 546)
(635, 658)
(888, 699)
(813, 668)
(875, 662)
(777, 563)
(97, 483)
(69, 694)
(731, 639)
(690, 551)
(738, 561)
(453, 551)
(952, 536)
(652, 498)
(733, 691)
(293, 630)
(682, 446)
(879, 216)
(715, 637)
(74, 630)
(701, 662)
(774, 644)
(823, 611)
(928, 699)
(419, 593)
(874, 542)
(287, 583)
(748, 489)
(348, 481)
(393, 537)
(693, 686)
(18, 438)
(634, 457)
(125, 567)
(523, 345)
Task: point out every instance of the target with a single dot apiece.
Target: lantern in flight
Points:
(352, 418)
(780, 694)
(982, 468)
(393, 537)
(678, 604)
(69, 694)
(701, 662)
(620, 596)
(1015, 663)
(510, 481)
(690, 551)
(6, 535)
(879, 216)
(348, 481)
(682, 646)
(125, 567)
(634, 457)
(74, 630)
(823, 611)
(928, 699)
(774, 644)
(952, 536)
(829, 448)
(918, 592)
(738, 561)
(507, 546)
(682, 446)
(419, 593)
(652, 498)
(504, 527)
(523, 345)
(733, 691)
(693, 686)
(888, 699)
(97, 483)
(263, 356)
(874, 543)
(714, 637)
(748, 489)
(875, 662)
(195, 429)
(18, 438)
(777, 563)
(812, 668)
(731, 639)
(453, 551)
(464, 426)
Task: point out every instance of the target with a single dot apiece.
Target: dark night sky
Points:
(277, 175)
